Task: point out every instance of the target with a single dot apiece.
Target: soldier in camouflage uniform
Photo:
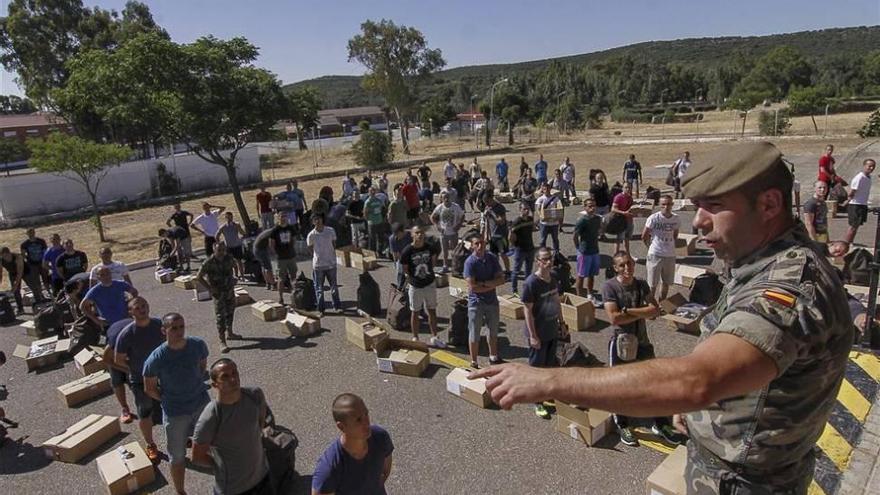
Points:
(216, 273)
(760, 383)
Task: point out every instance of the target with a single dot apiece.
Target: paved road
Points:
(443, 444)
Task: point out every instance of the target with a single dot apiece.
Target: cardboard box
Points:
(686, 244)
(683, 205)
(363, 334)
(441, 280)
(641, 210)
(90, 360)
(458, 287)
(126, 469)
(685, 274)
(473, 391)
(268, 310)
(299, 325)
(164, 275)
(82, 438)
(586, 425)
(362, 261)
(684, 323)
(578, 312)
(511, 307)
(187, 282)
(85, 388)
(343, 256)
(402, 357)
(201, 292)
(43, 352)
(242, 297)
(505, 197)
(27, 297)
(668, 478)
(31, 330)
(551, 214)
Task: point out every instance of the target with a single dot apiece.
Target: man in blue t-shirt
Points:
(543, 316)
(632, 174)
(541, 170)
(501, 169)
(483, 274)
(359, 461)
(49, 258)
(118, 374)
(174, 374)
(106, 299)
(133, 346)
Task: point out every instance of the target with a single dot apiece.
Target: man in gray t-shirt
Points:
(228, 434)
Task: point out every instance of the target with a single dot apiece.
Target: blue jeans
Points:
(552, 231)
(520, 258)
(267, 220)
(319, 275)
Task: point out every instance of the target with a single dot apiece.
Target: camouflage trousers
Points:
(224, 312)
(706, 474)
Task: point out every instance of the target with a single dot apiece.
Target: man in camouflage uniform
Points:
(760, 383)
(216, 274)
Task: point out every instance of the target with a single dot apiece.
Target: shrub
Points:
(872, 126)
(373, 149)
(767, 120)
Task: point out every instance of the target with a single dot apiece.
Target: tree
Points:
(872, 126)
(373, 148)
(15, 105)
(743, 101)
(228, 103)
(437, 112)
(302, 108)
(79, 160)
(11, 150)
(397, 59)
(807, 101)
(777, 71)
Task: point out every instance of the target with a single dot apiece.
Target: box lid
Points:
(81, 430)
(85, 356)
(85, 382)
(457, 379)
(114, 466)
(672, 302)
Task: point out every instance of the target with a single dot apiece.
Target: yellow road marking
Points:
(815, 489)
(650, 440)
(853, 400)
(448, 359)
(835, 447)
(868, 362)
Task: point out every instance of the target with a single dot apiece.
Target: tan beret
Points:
(729, 167)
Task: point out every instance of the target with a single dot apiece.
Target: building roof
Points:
(352, 112)
(30, 120)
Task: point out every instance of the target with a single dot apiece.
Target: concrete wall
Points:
(29, 195)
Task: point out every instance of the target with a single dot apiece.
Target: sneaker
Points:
(415, 339)
(153, 453)
(627, 437)
(541, 412)
(435, 342)
(549, 404)
(126, 417)
(233, 335)
(668, 434)
(223, 347)
(475, 365)
(516, 294)
(496, 361)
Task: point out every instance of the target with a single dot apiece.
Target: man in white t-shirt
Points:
(659, 234)
(118, 270)
(681, 166)
(449, 169)
(321, 239)
(857, 207)
(208, 223)
(447, 219)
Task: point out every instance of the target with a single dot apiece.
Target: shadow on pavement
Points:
(17, 457)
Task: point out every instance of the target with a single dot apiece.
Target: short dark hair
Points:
(343, 404)
(776, 177)
(621, 254)
(4, 250)
(218, 363)
(171, 317)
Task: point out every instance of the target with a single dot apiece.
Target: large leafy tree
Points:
(302, 108)
(807, 101)
(744, 101)
(437, 112)
(11, 150)
(398, 60)
(16, 105)
(80, 160)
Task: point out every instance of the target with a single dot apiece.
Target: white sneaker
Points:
(415, 339)
(435, 342)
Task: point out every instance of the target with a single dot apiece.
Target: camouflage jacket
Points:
(218, 273)
(787, 301)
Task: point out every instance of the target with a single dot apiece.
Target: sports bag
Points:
(304, 293)
(562, 271)
(706, 289)
(857, 267)
(398, 309)
(458, 324)
(7, 314)
(368, 295)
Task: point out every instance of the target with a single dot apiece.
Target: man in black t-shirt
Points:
(418, 260)
(32, 251)
(182, 218)
(424, 173)
(281, 244)
(523, 244)
(71, 261)
(355, 216)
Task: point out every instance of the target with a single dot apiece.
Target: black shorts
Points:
(117, 377)
(857, 215)
(237, 252)
(498, 245)
(413, 213)
(145, 405)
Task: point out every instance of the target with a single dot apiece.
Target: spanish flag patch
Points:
(782, 298)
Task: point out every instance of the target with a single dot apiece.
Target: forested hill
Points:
(700, 54)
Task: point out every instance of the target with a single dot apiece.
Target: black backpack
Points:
(458, 324)
(84, 333)
(857, 267)
(304, 293)
(575, 354)
(706, 289)
(368, 295)
(7, 314)
(562, 271)
(459, 255)
(48, 318)
(398, 309)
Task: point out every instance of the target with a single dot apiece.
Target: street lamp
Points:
(492, 111)
(474, 122)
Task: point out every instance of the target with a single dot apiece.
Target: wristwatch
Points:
(625, 310)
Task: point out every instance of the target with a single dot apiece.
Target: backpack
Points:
(857, 267)
(653, 194)
(562, 271)
(706, 289)
(615, 223)
(7, 314)
(368, 295)
(304, 293)
(398, 309)
(48, 318)
(459, 255)
(83, 333)
(254, 270)
(575, 354)
(458, 324)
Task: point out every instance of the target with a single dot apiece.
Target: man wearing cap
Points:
(763, 378)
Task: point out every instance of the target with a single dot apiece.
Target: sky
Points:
(301, 40)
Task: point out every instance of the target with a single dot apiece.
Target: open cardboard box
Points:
(41, 353)
(187, 282)
(343, 256)
(551, 214)
(268, 310)
(364, 334)
(402, 357)
(579, 313)
(668, 477)
(299, 325)
(242, 297)
(85, 388)
(164, 275)
(126, 469)
(505, 197)
(473, 391)
(82, 438)
(360, 260)
(458, 287)
(585, 425)
(90, 360)
(511, 307)
(201, 292)
(685, 274)
(686, 244)
(682, 323)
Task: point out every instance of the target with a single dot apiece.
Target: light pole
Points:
(492, 111)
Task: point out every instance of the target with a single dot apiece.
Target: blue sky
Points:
(300, 40)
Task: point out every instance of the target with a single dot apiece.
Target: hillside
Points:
(701, 53)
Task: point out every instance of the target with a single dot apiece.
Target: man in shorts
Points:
(816, 213)
(418, 260)
(118, 374)
(281, 245)
(182, 218)
(586, 240)
(860, 190)
(207, 224)
(632, 173)
(483, 274)
(494, 228)
(133, 346)
(447, 219)
(230, 233)
(659, 234)
(621, 206)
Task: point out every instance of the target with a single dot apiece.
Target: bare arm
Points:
(121, 359)
(618, 317)
(151, 387)
(646, 236)
(87, 306)
(201, 455)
